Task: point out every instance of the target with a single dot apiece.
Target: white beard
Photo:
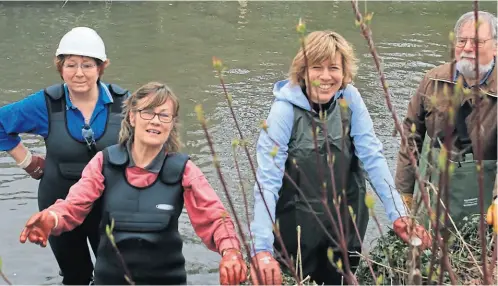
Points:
(467, 68)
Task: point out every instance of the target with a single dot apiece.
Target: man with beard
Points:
(444, 107)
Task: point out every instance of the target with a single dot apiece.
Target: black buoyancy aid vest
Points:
(145, 223)
(349, 175)
(66, 157)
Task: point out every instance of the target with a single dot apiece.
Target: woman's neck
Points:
(84, 97)
(143, 155)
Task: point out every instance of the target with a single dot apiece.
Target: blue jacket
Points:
(30, 115)
(280, 122)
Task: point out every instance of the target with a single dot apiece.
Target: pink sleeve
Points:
(207, 214)
(72, 211)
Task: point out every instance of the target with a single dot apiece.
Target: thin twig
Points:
(459, 234)
(5, 278)
(362, 249)
(338, 230)
(478, 152)
(200, 116)
(108, 230)
(366, 32)
(244, 196)
(218, 66)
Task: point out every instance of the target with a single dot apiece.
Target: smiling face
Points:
(152, 125)
(325, 78)
(328, 60)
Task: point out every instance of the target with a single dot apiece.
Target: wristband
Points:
(55, 217)
(27, 160)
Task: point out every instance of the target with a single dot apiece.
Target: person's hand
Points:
(36, 167)
(492, 215)
(233, 269)
(403, 228)
(268, 269)
(38, 228)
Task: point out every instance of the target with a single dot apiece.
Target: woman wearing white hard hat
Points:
(77, 119)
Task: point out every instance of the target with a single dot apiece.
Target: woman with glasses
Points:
(76, 119)
(143, 183)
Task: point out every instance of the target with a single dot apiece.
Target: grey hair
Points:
(482, 16)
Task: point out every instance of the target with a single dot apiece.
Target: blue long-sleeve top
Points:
(30, 115)
(368, 149)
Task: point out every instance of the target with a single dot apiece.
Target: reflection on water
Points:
(174, 42)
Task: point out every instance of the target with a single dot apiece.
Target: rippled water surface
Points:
(174, 42)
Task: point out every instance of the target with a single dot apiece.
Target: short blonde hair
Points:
(321, 46)
(157, 94)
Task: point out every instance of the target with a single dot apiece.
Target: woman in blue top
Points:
(76, 119)
(346, 130)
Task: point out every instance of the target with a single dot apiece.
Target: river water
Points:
(173, 42)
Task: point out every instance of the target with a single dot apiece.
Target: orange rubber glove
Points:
(408, 199)
(402, 227)
(233, 269)
(492, 215)
(38, 228)
(269, 269)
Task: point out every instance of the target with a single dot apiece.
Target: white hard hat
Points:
(82, 41)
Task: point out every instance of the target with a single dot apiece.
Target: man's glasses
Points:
(89, 137)
(461, 42)
(149, 115)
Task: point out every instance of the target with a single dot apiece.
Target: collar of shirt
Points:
(483, 80)
(105, 96)
(154, 166)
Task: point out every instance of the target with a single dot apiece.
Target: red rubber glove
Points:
(38, 228)
(269, 269)
(402, 227)
(233, 269)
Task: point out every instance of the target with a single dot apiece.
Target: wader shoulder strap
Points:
(118, 95)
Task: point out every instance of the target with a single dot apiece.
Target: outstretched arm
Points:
(207, 214)
(369, 150)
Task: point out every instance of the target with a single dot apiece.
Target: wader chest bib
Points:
(291, 208)
(463, 188)
(66, 157)
(145, 223)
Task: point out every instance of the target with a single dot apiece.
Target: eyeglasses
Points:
(149, 115)
(84, 67)
(89, 137)
(461, 42)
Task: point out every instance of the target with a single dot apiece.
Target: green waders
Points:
(303, 166)
(463, 188)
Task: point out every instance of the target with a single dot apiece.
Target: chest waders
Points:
(65, 160)
(463, 185)
(145, 224)
(463, 189)
(292, 211)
